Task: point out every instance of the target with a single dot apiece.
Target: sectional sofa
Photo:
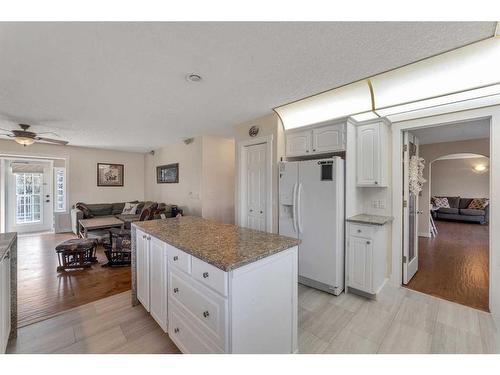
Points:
(459, 211)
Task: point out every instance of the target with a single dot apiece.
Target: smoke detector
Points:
(193, 77)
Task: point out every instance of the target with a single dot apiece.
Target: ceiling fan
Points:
(25, 137)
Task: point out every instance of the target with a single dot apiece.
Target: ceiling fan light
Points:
(25, 141)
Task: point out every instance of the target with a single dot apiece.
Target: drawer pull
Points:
(205, 275)
(367, 242)
(176, 258)
(206, 314)
(359, 230)
(176, 330)
(176, 290)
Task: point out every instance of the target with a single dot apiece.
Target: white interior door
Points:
(410, 211)
(255, 183)
(29, 197)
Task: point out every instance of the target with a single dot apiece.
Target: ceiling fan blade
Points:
(53, 133)
(50, 140)
(7, 135)
(5, 130)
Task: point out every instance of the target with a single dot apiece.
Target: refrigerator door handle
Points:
(294, 207)
(299, 210)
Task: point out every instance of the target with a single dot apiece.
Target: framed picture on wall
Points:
(167, 174)
(109, 174)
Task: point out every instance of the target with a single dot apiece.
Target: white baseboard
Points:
(424, 234)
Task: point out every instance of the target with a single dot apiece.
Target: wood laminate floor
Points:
(454, 265)
(43, 292)
(399, 321)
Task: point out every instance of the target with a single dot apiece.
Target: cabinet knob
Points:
(149, 238)
(143, 236)
(205, 275)
(359, 230)
(307, 150)
(176, 258)
(368, 242)
(251, 210)
(206, 314)
(314, 149)
(176, 330)
(176, 290)
(376, 182)
(261, 212)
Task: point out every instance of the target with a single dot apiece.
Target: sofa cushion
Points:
(130, 208)
(479, 203)
(472, 212)
(441, 202)
(100, 209)
(128, 218)
(464, 202)
(150, 206)
(117, 208)
(448, 210)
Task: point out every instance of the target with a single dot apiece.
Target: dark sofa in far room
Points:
(459, 211)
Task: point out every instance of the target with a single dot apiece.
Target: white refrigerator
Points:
(311, 208)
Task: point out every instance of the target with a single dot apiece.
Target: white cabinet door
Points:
(142, 263)
(329, 138)
(158, 281)
(368, 155)
(298, 143)
(360, 264)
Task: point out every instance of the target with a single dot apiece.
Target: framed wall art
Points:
(110, 174)
(167, 174)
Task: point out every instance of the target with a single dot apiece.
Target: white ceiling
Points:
(122, 85)
(454, 132)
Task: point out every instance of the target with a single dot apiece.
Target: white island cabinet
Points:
(238, 305)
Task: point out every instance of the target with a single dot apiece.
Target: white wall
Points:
(206, 177)
(457, 178)
(217, 183)
(82, 170)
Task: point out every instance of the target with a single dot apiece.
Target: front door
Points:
(29, 197)
(410, 210)
(254, 205)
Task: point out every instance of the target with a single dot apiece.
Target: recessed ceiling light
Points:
(193, 77)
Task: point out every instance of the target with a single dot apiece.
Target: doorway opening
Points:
(446, 215)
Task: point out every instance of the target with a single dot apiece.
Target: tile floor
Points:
(399, 321)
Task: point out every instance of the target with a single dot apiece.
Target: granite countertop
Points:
(6, 240)
(225, 246)
(370, 219)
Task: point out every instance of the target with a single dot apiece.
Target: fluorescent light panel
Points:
(463, 74)
(337, 103)
(441, 100)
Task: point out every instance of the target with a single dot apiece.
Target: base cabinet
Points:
(207, 310)
(366, 257)
(5, 295)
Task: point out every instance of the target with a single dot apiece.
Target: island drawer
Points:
(207, 309)
(187, 338)
(210, 276)
(178, 258)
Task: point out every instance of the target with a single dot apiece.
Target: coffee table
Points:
(99, 223)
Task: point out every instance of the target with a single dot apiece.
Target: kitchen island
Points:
(8, 288)
(217, 288)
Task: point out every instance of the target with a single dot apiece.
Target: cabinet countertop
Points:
(370, 219)
(6, 240)
(225, 246)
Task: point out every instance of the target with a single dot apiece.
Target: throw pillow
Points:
(130, 208)
(441, 202)
(479, 203)
(145, 214)
(86, 211)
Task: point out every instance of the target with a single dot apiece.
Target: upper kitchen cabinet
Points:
(372, 154)
(317, 139)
